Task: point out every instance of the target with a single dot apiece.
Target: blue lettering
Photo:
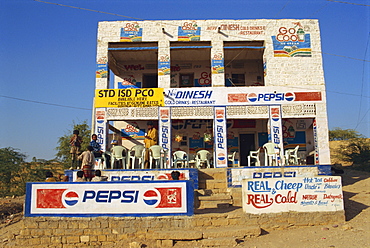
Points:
(89, 194)
(114, 195)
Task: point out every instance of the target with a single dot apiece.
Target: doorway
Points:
(150, 81)
(247, 144)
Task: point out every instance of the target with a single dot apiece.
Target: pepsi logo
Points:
(70, 198)
(221, 156)
(100, 122)
(151, 197)
(252, 97)
(289, 96)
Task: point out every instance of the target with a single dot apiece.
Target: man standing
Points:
(88, 160)
(151, 139)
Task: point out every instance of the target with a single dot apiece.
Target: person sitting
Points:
(98, 177)
(80, 176)
(49, 177)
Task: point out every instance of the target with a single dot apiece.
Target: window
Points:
(187, 80)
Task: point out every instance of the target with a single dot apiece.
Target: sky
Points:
(48, 58)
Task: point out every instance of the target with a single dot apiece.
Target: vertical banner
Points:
(101, 127)
(220, 137)
(315, 139)
(165, 133)
(276, 132)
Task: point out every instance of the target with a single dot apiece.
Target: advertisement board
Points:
(143, 175)
(85, 199)
(220, 137)
(235, 176)
(134, 97)
(165, 133)
(300, 194)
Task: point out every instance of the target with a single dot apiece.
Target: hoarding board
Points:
(87, 199)
(235, 176)
(143, 175)
(220, 137)
(300, 194)
(134, 97)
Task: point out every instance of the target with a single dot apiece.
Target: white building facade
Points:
(218, 85)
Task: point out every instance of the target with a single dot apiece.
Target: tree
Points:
(10, 164)
(343, 134)
(64, 147)
(357, 151)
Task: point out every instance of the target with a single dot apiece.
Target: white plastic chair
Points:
(118, 154)
(256, 156)
(156, 154)
(291, 156)
(137, 153)
(202, 157)
(270, 154)
(180, 157)
(231, 158)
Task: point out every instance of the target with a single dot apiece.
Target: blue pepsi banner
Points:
(235, 176)
(220, 137)
(143, 175)
(87, 199)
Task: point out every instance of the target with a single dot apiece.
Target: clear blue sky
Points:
(47, 54)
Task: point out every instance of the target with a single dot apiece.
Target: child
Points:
(88, 161)
(75, 143)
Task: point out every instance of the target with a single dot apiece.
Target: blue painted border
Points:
(324, 170)
(189, 201)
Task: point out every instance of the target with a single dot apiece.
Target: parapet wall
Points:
(160, 231)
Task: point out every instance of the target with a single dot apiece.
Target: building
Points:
(220, 85)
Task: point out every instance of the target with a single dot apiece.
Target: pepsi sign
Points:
(271, 97)
(110, 199)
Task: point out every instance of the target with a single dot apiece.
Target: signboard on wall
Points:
(101, 127)
(276, 132)
(235, 176)
(165, 133)
(300, 194)
(120, 98)
(88, 199)
(143, 175)
(220, 137)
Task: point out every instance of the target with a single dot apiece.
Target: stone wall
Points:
(160, 231)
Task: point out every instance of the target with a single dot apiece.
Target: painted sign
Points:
(189, 31)
(316, 142)
(276, 133)
(101, 126)
(143, 175)
(220, 140)
(165, 133)
(274, 97)
(217, 64)
(193, 96)
(144, 198)
(120, 98)
(131, 130)
(164, 67)
(300, 194)
(235, 176)
(132, 32)
(292, 42)
(101, 70)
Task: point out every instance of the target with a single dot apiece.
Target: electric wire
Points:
(348, 3)
(45, 103)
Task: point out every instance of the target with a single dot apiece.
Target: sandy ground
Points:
(355, 232)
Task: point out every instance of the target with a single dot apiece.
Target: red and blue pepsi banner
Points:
(101, 126)
(235, 176)
(220, 137)
(300, 194)
(87, 199)
(276, 133)
(165, 133)
(143, 175)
